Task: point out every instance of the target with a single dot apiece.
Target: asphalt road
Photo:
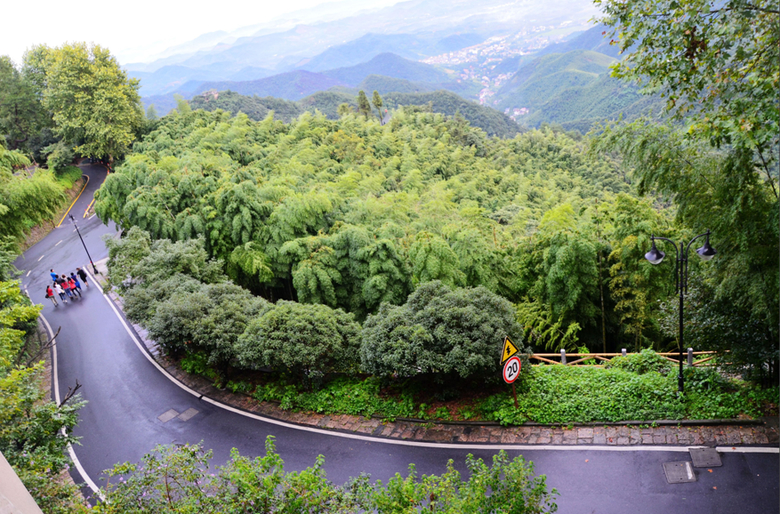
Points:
(127, 394)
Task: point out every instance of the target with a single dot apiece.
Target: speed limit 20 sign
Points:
(512, 369)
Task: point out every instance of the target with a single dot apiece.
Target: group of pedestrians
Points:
(66, 287)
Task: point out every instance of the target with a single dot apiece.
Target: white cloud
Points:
(134, 30)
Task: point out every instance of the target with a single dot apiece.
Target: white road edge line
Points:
(28, 273)
(55, 381)
(401, 442)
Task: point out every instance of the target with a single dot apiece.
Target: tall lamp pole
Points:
(94, 268)
(655, 256)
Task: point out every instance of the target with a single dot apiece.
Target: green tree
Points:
(440, 333)
(25, 200)
(364, 106)
(306, 341)
(376, 100)
(94, 104)
(22, 115)
(718, 64)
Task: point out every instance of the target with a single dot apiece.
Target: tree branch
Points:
(71, 393)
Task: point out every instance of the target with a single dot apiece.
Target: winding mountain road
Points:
(129, 398)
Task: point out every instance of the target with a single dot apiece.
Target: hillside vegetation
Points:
(573, 89)
(327, 102)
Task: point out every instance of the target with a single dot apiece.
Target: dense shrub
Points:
(645, 361)
(178, 479)
(439, 331)
(301, 339)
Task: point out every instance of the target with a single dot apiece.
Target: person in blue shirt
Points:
(53, 275)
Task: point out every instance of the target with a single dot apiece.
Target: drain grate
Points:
(679, 472)
(705, 457)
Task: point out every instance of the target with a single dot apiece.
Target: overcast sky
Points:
(134, 30)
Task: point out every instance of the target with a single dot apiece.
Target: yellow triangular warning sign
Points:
(508, 350)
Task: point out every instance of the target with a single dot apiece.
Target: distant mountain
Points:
(327, 102)
(541, 79)
(579, 108)
(415, 28)
(369, 46)
(384, 85)
(389, 65)
(592, 39)
(446, 102)
(293, 85)
(573, 89)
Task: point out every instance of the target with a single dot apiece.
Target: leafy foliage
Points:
(305, 340)
(94, 104)
(177, 479)
(25, 200)
(439, 331)
(30, 425)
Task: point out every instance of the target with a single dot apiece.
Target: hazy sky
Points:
(132, 30)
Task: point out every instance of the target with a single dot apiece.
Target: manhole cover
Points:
(705, 457)
(679, 472)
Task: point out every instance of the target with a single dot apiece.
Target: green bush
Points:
(178, 479)
(68, 176)
(60, 156)
(644, 362)
(439, 332)
(306, 341)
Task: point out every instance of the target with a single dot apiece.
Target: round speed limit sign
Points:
(512, 370)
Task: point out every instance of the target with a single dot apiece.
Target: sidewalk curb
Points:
(635, 433)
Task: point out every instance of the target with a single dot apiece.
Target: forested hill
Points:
(327, 102)
(351, 213)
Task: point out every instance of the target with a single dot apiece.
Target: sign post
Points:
(511, 372)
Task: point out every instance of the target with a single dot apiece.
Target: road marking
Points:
(58, 242)
(92, 216)
(39, 258)
(74, 201)
(28, 273)
(401, 442)
(55, 379)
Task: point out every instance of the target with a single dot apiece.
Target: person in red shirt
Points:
(50, 295)
(73, 288)
(66, 286)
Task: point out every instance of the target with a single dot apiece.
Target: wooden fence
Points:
(580, 358)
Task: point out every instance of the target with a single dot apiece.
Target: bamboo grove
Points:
(352, 214)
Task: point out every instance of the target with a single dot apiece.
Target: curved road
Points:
(127, 394)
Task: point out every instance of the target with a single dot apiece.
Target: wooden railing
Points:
(580, 358)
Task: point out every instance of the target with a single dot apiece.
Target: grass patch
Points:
(68, 177)
(641, 389)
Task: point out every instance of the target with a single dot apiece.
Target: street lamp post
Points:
(655, 256)
(94, 268)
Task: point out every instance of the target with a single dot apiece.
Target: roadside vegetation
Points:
(30, 423)
(178, 479)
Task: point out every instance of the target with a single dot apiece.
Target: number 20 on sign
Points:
(512, 370)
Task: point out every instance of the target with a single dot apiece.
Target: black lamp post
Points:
(655, 256)
(94, 268)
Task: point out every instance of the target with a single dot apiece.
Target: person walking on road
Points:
(83, 275)
(72, 286)
(53, 275)
(66, 287)
(76, 282)
(58, 289)
(50, 295)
